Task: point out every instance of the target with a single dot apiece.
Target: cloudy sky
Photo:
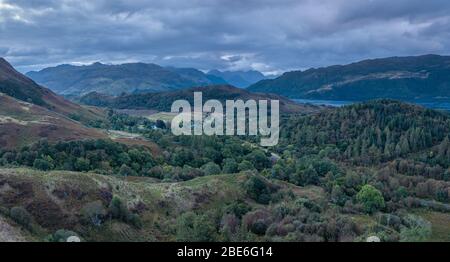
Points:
(266, 35)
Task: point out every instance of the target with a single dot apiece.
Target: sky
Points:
(271, 36)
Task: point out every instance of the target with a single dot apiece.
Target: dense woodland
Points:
(380, 159)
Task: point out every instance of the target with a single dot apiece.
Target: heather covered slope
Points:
(20, 87)
(212, 208)
(29, 112)
(22, 123)
(404, 78)
(62, 200)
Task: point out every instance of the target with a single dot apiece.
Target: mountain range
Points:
(241, 79)
(405, 78)
(70, 80)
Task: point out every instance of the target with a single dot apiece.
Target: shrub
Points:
(238, 209)
(81, 164)
(258, 190)
(211, 169)
(371, 198)
(245, 166)
(259, 227)
(338, 196)
(119, 211)
(42, 164)
(259, 159)
(94, 213)
(230, 166)
(134, 220)
(196, 228)
(310, 176)
(21, 216)
(127, 171)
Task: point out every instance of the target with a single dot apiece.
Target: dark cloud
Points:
(267, 35)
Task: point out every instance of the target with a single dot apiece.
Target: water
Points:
(333, 103)
(337, 103)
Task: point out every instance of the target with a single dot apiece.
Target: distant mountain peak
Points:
(240, 79)
(5, 64)
(3, 61)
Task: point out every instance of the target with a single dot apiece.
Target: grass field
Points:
(164, 116)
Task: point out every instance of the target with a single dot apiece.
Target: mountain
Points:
(405, 78)
(240, 79)
(116, 79)
(163, 101)
(197, 76)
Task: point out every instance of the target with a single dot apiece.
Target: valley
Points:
(111, 170)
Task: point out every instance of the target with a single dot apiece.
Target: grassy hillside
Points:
(22, 123)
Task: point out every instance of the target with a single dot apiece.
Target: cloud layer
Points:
(266, 35)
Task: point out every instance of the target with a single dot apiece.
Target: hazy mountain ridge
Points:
(116, 79)
(406, 78)
(240, 79)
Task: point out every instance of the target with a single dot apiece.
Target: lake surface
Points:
(337, 103)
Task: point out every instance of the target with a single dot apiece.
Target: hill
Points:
(162, 101)
(241, 79)
(72, 197)
(342, 174)
(117, 79)
(20, 87)
(404, 78)
(372, 132)
(22, 123)
(29, 113)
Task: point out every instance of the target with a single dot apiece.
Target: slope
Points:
(405, 78)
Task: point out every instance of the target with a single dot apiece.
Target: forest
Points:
(377, 161)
